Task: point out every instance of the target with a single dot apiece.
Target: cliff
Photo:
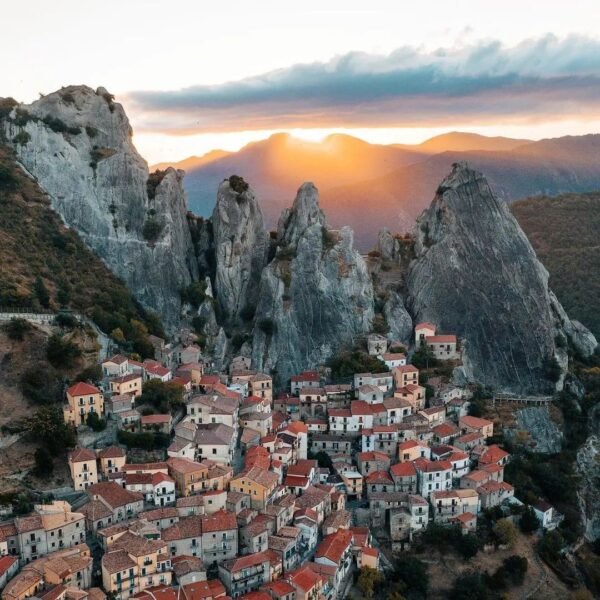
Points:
(475, 274)
(315, 295)
(77, 144)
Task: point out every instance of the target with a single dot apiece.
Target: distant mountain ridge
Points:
(370, 186)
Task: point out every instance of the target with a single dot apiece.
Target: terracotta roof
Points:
(185, 465)
(222, 520)
(184, 564)
(304, 578)
(155, 419)
(6, 562)
(379, 477)
(244, 562)
(95, 510)
(117, 359)
(82, 389)
(373, 455)
(362, 408)
(406, 369)
(112, 452)
(334, 545)
(306, 376)
(159, 592)
(432, 466)
(475, 422)
(425, 325)
(203, 590)
(493, 454)
(403, 469)
(126, 378)
(113, 494)
(165, 512)
(116, 561)
(441, 339)
(279, 588)
(156, 369)
(82, 455)
(261, 476)
(445, 430)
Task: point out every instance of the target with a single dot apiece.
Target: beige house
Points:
(82, 399)
(127, 384)
(111, 460)
(109, 504)
(405, 375)
(261, 385)
(245, 574)
(115, 366)
(82, 463)
(258, 483)
(449, 504)
(470, 424)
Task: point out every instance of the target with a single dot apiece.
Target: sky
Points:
(194, 75)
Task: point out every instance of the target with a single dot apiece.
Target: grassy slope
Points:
(35, 243)
(565, 234)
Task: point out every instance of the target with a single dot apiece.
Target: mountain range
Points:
(370, 186)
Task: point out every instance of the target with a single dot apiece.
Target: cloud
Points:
(409, 87)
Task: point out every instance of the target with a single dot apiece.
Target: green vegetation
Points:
(93, 421)
(61, 352)
(145, 440)
(194, 294)
(329, 238)
(163, 396)
(47, 426)
(367, 581)
(41, 384)
(564, 234)
(444, 538)
(44, 465)
(237, 184)
(36, 246)
(16, 329)
(423, 357)
(152, 230)
(469, 586)
(153, 182)
(22, 138)
(348, 362)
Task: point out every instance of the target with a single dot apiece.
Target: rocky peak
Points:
(305, 213)
(241, 248)
(476, 275)
(77, 143)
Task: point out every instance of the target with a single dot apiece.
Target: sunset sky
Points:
(197, 75)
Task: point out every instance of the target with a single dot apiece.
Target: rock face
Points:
(588, 465)
(315, 295)
(77, 143)
(240, 248)
(476, 275)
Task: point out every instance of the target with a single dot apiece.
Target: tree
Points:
(91, 373)
(41, 384)
(117, 335)
(413, 575)
(423, 357)
(61, 352)
(16, 329)
(324, 460)
(93, 421)
(44, 465)
(468, 545)
(469, 586)
(164, 396)
(41, 292)
(48, 426)
(347, 362)
(368, 579)
(516, 567)
(505, 532)
(528, 521)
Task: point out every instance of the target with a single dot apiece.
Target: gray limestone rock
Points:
(476, 275)
(78, 146)
(315, 295)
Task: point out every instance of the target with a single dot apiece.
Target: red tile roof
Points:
(306, 376)
(82, 455)
(379, 477)
(6, 562)
(403, 469)
(82, 389)
(334, 545)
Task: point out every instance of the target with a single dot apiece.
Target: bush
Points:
(22, 138)
(91, 373)
(41, 292)
(198, 323)
(267, 326)
(469, 586)
(413, 574)
(152, 230)
(44, 465)
(379, 324)
(329, 238)
(516, 568)
(528, 521)
(61, 353)
(93, 421)
(163, 396)
(347, 363)
(59, 126)
(91, 131)
(48, 427)
(423, 357)
(194, 294)
(7, 178)
(505, 532)
(40, 384)
(16, 329)
(552, 370)
(153, 182)
(66, 320)
(237, 184)
(145, 440)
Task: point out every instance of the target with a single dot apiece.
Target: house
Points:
(468, 441)
(313, 402)
(112, 460)
(370, 393)
(448, 504)
(115, 366)
(404, 476)
(134, 563)
(433, 476)
(494, 493)
(435, 415)
(423, 331)
(117, 404)
(353, 483)
(335, 550)
(155, 371)
(82, 464)
(162, 517)
(261, 385)
(412, 449)
(445, 432)
(157, 488)
(376, 344)
(493, 455)
(443, 347)
(216, 442)
(254, 536)
(317, 499)
(157, 423)
(405, 375)
(189, 354)
(259, 422)
(470, 424)
(9, 565)
(82, 399)
(413, 394)
(187, 569)
(192, 477)
(545, 514)
(127, 384)
(331, 444)
(213, 538)
(382, 438)
(245, 574)
(128, 420)
(383, 381)
(460, 462)
(379, 481)
(307, 583)
(279, 590)
(213, 408)
(306, 379)
(393, 359)
(285, 544)
(396, 409)
(372, 461)
(110, 503)
(258, 483)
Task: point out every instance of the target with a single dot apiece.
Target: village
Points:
(248, 492)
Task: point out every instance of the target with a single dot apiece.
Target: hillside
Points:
(463, 142)
(46, 265)
(564, 232)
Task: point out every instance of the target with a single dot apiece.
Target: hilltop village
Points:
(221, 487)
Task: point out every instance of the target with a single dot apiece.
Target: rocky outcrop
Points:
(315, 295)
(588, 465)
(475, 274)
(240, 248)
(77, 143)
